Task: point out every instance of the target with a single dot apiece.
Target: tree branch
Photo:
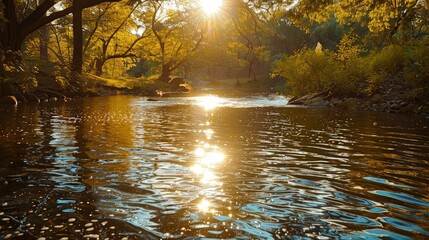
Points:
(39, 12)
(97, 22)
(32, 25)
(126, 53)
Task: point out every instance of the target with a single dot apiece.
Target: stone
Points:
(182, 89)
(176, 81)
(336, 102)
(394, 106)
(408, 108)
(11, 100)
(292, 99)
(376, 98)
(316, 102)
(296, 102)
(351, 103)
(423, 108)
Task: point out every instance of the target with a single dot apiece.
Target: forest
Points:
(214, 119)
(72, 47)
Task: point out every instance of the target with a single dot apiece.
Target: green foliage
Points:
(349, 48)
(312, 71)
(327, 33)
(21, 75)
(390, 59)
(416, 69)
(60, 76)
(352, 74)
(409, 61)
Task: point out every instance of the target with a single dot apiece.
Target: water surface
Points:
(207, 167)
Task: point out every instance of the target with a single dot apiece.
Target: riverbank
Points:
(393, 98)
(41, 81)
(51, 84)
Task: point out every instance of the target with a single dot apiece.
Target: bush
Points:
(20, 75)
(416, 70)
(309, 71)
(351, 74)
(306, 71)
(408, 62)
(390, 59)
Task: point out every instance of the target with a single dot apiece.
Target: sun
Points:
(211, 6)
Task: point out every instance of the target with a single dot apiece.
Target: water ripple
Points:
(234, 168)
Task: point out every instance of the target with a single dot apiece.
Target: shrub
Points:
(20, 75)
(306, 71)
(416, 70)
(390, 59)
(310, 71)
(351, 74)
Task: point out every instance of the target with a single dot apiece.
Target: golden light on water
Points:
(209, 157)
(204, 206)
(208, 133)
(210, 7)
(200, 152)
(209, 102)
(208, 160)
(209, 178)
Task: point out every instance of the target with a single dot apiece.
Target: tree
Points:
(77, 38)
(176, 34)
(392, 17)
(17, 28)
(114, 36)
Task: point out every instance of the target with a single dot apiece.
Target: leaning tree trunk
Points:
(77, 39)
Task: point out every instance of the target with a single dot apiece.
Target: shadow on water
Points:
(209, 167)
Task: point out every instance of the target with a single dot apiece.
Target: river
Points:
(122, 167)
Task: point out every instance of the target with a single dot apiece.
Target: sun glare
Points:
(209, 102)
(204, 205)
(210, 6)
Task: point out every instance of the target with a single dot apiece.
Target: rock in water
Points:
(9, 100)
(176, 81)
(316, 102)
(351, 103)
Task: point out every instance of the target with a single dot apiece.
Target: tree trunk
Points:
(2, 75)
(99, 67)
(77, 38)
(251, 71)
(11, 34)
(165, 73)
(44, 41)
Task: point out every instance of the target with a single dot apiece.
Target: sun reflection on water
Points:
(209, 102)
(205, 206)
(208, 159)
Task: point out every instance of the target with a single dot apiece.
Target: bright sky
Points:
(210, 7)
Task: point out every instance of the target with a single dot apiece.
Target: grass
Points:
(119, 82)
(149, 85)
